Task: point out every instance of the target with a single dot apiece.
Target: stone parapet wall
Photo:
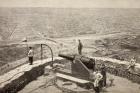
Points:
(22, 81)
(120, 70)
(19, 82)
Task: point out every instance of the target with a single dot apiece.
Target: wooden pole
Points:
(41, 52)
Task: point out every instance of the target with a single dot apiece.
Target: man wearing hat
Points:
(30, 55)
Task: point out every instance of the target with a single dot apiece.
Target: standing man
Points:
(91, 64)
(80, 47)
(103, 72)
(30, 55)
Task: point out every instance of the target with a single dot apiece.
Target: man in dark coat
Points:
(103, 72)
(80, 47)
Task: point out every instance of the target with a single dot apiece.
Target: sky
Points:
(72, 3)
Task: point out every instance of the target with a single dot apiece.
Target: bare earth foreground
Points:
(121, 85)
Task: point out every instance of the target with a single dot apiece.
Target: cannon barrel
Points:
(72, 57)
(69, 57)
(89, 62)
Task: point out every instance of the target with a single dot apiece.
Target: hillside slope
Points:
(61, 22)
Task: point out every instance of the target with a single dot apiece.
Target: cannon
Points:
(88, 62)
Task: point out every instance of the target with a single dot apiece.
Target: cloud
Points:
(72, 3)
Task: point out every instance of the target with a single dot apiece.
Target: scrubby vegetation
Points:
(122, 48)
(9, 54)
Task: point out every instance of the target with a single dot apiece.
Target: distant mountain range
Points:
(64, 22)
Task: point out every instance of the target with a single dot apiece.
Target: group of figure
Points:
(99, 75)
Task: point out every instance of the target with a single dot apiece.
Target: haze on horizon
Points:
(72, 3)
